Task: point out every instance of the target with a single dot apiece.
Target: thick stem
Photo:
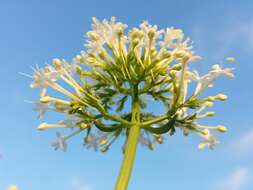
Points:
(132, 142)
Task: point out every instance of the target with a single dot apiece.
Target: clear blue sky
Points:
(35, 31)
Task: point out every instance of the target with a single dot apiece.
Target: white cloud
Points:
(77, 184)
(236, 180)
(244, 144)
(238, 35)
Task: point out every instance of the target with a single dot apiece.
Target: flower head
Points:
(119, 66)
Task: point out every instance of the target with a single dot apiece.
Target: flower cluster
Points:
(96, 86)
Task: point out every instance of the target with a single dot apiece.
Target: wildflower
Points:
(209, 140)
(117, 67)
(41, 108)
(42, 77)
(92, 142)
(172, 38)
(60, 142)
(207, 79)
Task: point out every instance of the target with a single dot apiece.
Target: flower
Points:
(154, 60)
(172, 37)
(60, 142)
(42, 77)
(209, 140)
(92, 142)
(41, 108)
(109, 32)
(207, 79)
(150, 34)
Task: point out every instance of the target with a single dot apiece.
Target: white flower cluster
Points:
(98, 80)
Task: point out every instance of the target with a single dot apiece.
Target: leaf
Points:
(121, 104)
(164, 128)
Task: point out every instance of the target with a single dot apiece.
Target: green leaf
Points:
(121, 104)
(169, 126)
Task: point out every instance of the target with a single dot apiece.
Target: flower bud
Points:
(221, 97)
(57, 63)
(86, 140)
(230, 59)
(176, 67)
(120, 30)
(42, 126)
(222, 129)
(182, 54)
(104, 148)
(166, 54)
(159, 139)
(209, 114)
(205, 131)
(84, 125)
(151, 33)
(93, 35)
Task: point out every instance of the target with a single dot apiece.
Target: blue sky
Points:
(34, 32)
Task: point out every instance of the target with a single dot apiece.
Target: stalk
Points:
(132, 142)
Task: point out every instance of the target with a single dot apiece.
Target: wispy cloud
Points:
(243, 145)
(238, 35)
(236, 180)
(77, 184)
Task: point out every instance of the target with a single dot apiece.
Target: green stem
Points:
(132, 142)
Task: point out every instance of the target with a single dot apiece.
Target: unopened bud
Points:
(230, 59)
(159, 139)
(57, 63)
(120, 30)
(221, 97)
(209, 114)
(205, 132)
(166, 54)
(93, 35)
(86, 140)
(222, 129)
(104, 148)
(42, 126)
(182, 54)
(84, 125)
(151, 33)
